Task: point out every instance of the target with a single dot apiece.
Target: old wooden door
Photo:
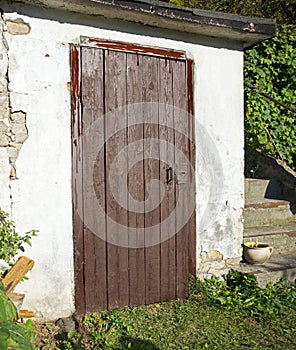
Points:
(133, 174)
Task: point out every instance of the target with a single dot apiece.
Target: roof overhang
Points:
(246, 30)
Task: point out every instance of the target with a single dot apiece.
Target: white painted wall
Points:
(39, 72)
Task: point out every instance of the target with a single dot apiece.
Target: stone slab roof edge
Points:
(247, 30)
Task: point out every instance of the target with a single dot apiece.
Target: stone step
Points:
(279, 266)
(265, 204)
(281, 237)
(268, 213)
(258, 191)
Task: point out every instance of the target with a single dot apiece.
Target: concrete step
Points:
(281, 237)
(261, 191)
(268, 213)
(279, 266)
(265, 204)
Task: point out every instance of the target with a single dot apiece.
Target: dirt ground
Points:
(53, 335)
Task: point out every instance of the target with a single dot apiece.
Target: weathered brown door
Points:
(133, 175)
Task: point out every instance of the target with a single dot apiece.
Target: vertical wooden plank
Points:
(181, 143)
(95, 247)
(77, 181)
(136, 177)
(117, 257)
(166, 133)
(151, 171)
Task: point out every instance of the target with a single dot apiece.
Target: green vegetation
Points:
(270, 80)
(12, 242)
(230, 314)
(13, 335)
(270, 74)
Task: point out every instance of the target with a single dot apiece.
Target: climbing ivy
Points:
(270, 96)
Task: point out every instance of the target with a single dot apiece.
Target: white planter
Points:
(257, 253)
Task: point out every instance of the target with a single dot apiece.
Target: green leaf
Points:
(71, 334)
(14, 335)
(8, 311)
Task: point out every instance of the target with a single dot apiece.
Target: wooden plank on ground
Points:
(20, 268)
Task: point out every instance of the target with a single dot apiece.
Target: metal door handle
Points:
(169, 174)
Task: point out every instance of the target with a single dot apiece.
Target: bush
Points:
(12, 242)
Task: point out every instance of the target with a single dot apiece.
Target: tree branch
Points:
(264, 94)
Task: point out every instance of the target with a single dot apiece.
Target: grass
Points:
(231, 314)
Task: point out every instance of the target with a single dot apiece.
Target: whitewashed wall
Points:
(41, 195)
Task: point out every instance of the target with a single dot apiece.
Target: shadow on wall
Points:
(282, 184)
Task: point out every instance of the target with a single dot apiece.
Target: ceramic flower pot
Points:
(256, 253)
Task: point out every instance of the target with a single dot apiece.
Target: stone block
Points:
(4, 140)
(216, 266)
(18, 117)
(21, 138)
(3, 84)
(218, 272)
(4, 106)
(17, 27)
(233, 262)
(212, 255)
(4, 102)
(12, 152)
(18, 128)
(4, 128)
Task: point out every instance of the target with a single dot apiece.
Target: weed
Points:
(71, 343)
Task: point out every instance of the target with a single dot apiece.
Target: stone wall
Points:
(13, 129)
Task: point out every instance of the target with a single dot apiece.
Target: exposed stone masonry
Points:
(13, 129)
(214, 264)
